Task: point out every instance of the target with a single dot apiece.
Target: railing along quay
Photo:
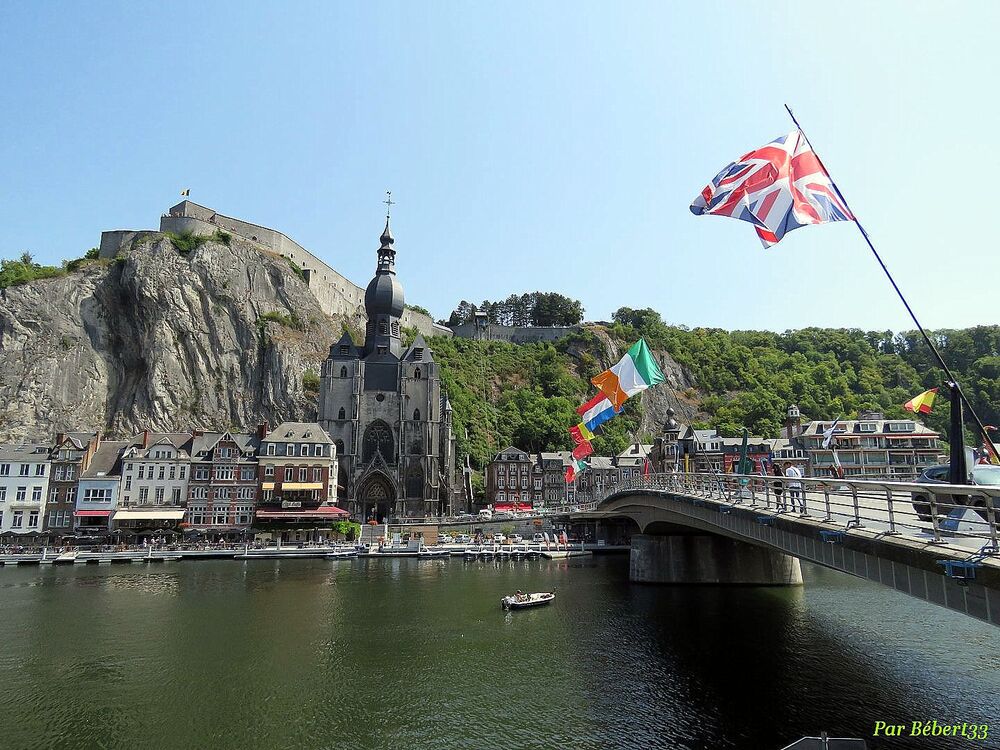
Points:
(936, 513)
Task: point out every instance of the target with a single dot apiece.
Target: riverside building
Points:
(873, 447)
(222, 483)
(98, 492)
(297, 476)
(155, 471)
(24, 485)
(69, 458)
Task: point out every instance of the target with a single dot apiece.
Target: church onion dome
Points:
(384, 296)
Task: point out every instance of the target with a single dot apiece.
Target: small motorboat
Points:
(523, 601)
(432, 552)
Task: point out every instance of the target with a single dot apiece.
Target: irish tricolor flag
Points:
(636, 372)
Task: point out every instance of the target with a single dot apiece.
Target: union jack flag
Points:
(777, 188)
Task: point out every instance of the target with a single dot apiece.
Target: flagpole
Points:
(927, 339)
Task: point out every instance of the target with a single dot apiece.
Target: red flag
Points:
(570, 473)
(645, 467)
(582, 450)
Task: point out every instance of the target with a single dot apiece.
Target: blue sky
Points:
(551, 146)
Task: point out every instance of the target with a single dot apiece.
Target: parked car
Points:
(987, 475)
(499, 538)
(463, 539)
(516, 539)
(446, 539)
(538, 539)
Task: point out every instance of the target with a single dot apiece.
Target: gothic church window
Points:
(417, 374)
(343, 371)
(383, 328)
(378, 439)
(342, 414)
(416, 415)
(415, 481)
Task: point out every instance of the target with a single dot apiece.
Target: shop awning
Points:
(325, 512)
(92, 513)
(301, 486)
(267, 486)
(150, 515)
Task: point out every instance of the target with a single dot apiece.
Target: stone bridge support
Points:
(708, 559)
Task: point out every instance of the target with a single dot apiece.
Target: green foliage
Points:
(310, 382)
(419, 309)
(296, 269)
(23, 270)
(348, 529)
(223, 238)
(93, 254)
(186, 242)
(529, 309)
(273, 316)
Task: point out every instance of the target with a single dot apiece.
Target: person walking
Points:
(777, 487)
(795, 496)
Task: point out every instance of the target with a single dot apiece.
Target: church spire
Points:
(386, 253)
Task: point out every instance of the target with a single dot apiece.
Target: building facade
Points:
(510, 480)
(99, 489)
(297, 477)
(155, 471)
(873, 447)
(24, 487)
(222, 483)
(384, 408)
(69, 457)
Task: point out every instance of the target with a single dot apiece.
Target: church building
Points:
(386, 412)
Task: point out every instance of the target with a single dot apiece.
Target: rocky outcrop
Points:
(677, 392)
(219, 337)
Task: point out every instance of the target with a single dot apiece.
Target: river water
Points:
(417, 654)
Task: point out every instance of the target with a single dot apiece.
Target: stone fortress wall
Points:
(336, 294)
(515, 335)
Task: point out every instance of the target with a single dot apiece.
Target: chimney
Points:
(197, 433)
(262, 429)
(60, 436)
(145, 439)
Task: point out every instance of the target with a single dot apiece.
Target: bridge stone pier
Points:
(708, 559)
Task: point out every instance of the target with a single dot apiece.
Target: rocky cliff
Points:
(157, 338)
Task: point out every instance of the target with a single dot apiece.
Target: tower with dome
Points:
(384, 408)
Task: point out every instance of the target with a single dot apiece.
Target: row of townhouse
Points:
(869, 446)
(212, 482)
(518, 479)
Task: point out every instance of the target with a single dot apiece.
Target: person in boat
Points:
(520, 596)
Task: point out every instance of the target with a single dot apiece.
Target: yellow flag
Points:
(923, 403)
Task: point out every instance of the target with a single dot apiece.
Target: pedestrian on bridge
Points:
(776, 470)
(795, 496)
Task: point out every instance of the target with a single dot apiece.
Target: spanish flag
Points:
(923, 403)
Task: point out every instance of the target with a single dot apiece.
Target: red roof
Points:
(92, 513)
(506, 508)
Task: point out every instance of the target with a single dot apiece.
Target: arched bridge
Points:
(936, 542)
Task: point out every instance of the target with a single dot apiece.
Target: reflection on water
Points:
(418, 654)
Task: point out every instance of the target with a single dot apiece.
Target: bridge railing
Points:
(931, 511)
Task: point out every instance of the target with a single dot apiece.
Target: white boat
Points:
(431, 552)
(562, 554)
(341, 554)
(524, 601)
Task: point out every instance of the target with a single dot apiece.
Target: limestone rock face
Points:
(218, 338)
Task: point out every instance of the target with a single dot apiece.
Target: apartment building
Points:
(24, 485)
